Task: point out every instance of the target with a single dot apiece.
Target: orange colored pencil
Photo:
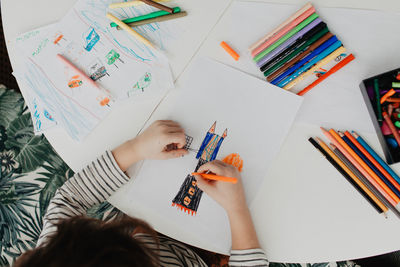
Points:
(372, 159)
(230, 51)
(208, 176)
(351, 174)
(370, 172)
(350, 157)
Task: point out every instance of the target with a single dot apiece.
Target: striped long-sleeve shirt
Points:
(94, 184)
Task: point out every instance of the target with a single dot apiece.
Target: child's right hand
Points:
(230, 196)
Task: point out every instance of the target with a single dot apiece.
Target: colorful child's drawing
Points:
(47, 115)
(90, 38)
(189, 195)
(143, 82)
(112, 56)
(97, 70)
(103, 101)
(75, 81)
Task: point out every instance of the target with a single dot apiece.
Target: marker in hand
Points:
(215, 177)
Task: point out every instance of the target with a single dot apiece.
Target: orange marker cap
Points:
(230, 51)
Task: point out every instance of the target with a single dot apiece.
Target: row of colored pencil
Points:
(165, 13)
(363, 168)
(297, 48)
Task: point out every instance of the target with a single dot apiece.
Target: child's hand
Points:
(230, 196)
(163, 139)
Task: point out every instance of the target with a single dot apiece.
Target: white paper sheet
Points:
(117, 61)
(337, 101)
(258, 117)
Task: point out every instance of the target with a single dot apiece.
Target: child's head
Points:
(82, 241)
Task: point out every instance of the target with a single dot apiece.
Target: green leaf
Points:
(19, 131)
(11, 106)
(48, 191)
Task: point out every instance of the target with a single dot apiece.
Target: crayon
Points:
(230, 51)
(378, 100)
(387, 95)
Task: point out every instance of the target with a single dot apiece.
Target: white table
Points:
(308, 210)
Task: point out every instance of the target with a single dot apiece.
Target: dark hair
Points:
(86, 242)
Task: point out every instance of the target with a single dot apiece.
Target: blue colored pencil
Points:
(314, 61)
(376, 156)
(307, 58)
(370, 164)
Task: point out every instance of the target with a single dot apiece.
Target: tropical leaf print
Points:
(11, 106)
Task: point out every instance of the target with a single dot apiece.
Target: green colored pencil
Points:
(147, 16)
(299, 50)
(158, 19)
(285, 37)
(378, 100)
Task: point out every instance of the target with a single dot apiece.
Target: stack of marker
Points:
(297, 48)
(363, 168)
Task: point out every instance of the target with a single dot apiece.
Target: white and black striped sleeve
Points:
(89, 187)
(248, 257)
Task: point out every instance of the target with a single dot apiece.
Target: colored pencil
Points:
(288, 62)
(378, 100)
(350, 177)
(129, 30)
(298, 43)
(320, 49)
(309, 64)
(146, 16)
(391, 127)
(283, 25)
(156, 19)
(84, 76)
(372, 160)
(379, 185)
(288, 42)
(232, 180)
(368, 170)
(380, 200)
(323, 62)
(229, 50)
(376, 156)
(335, 68)
(281, 40)
(130, 3)
(158, 5)
(370, 165)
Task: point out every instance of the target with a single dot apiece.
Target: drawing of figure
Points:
(97, 70)
(142, 83)
(75, 81)
(90, 38)
(189, 195)
(112, 56)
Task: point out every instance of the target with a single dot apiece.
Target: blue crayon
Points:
(314, 61)
(310, 56)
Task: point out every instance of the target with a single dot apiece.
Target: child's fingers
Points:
(205, 185)
(212, 167)
(174, 153)
(178, 138)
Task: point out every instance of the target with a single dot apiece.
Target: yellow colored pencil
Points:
(323, 62)
(129, 30)
(131, 3)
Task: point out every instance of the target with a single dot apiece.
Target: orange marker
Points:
(387, 95)
(378, 184)
(208, 176)
(230, 50)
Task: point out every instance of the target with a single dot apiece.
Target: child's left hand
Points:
(163, 139)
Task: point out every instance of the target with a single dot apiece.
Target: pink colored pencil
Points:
(358, 166)
(283, 24)
(283, 31)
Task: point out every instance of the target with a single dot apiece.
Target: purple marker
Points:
(288, 42)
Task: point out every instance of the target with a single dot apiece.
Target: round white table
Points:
(306, 213)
